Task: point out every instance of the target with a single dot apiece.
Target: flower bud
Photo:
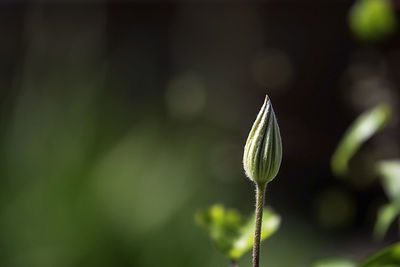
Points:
(263, 150)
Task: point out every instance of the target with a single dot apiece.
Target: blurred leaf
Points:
(244, 243)
(230, 232)
(365, 126)
(389, 170)
(336, 262)
(223, 225)
(372, 19)
(387, 257)
(386, 215)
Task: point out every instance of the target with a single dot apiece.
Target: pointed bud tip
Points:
(267, 99)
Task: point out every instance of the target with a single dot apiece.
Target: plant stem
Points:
(260, 191)
(234, 263)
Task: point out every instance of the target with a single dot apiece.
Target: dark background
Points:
(120, 120)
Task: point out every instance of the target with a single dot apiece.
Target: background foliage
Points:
(120, 121)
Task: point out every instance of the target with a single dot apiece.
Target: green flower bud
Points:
(263, 150)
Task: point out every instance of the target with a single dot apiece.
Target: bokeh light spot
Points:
(273, 69)
(335, 208)
(185, 96)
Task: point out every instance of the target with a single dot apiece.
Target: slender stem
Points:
(260, 191)
(234, 263)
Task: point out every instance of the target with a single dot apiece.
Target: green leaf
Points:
(244, 242)
(386, 215)
(223, 225)
(389, 170)
(387, 257)
(365, 126)
(232, 234)
(335, 262)
(372, 20)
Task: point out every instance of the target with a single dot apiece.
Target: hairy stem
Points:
(260, 191)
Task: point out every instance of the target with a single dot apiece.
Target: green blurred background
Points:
(119, 121)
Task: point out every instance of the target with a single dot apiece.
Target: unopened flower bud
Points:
(263, 150)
